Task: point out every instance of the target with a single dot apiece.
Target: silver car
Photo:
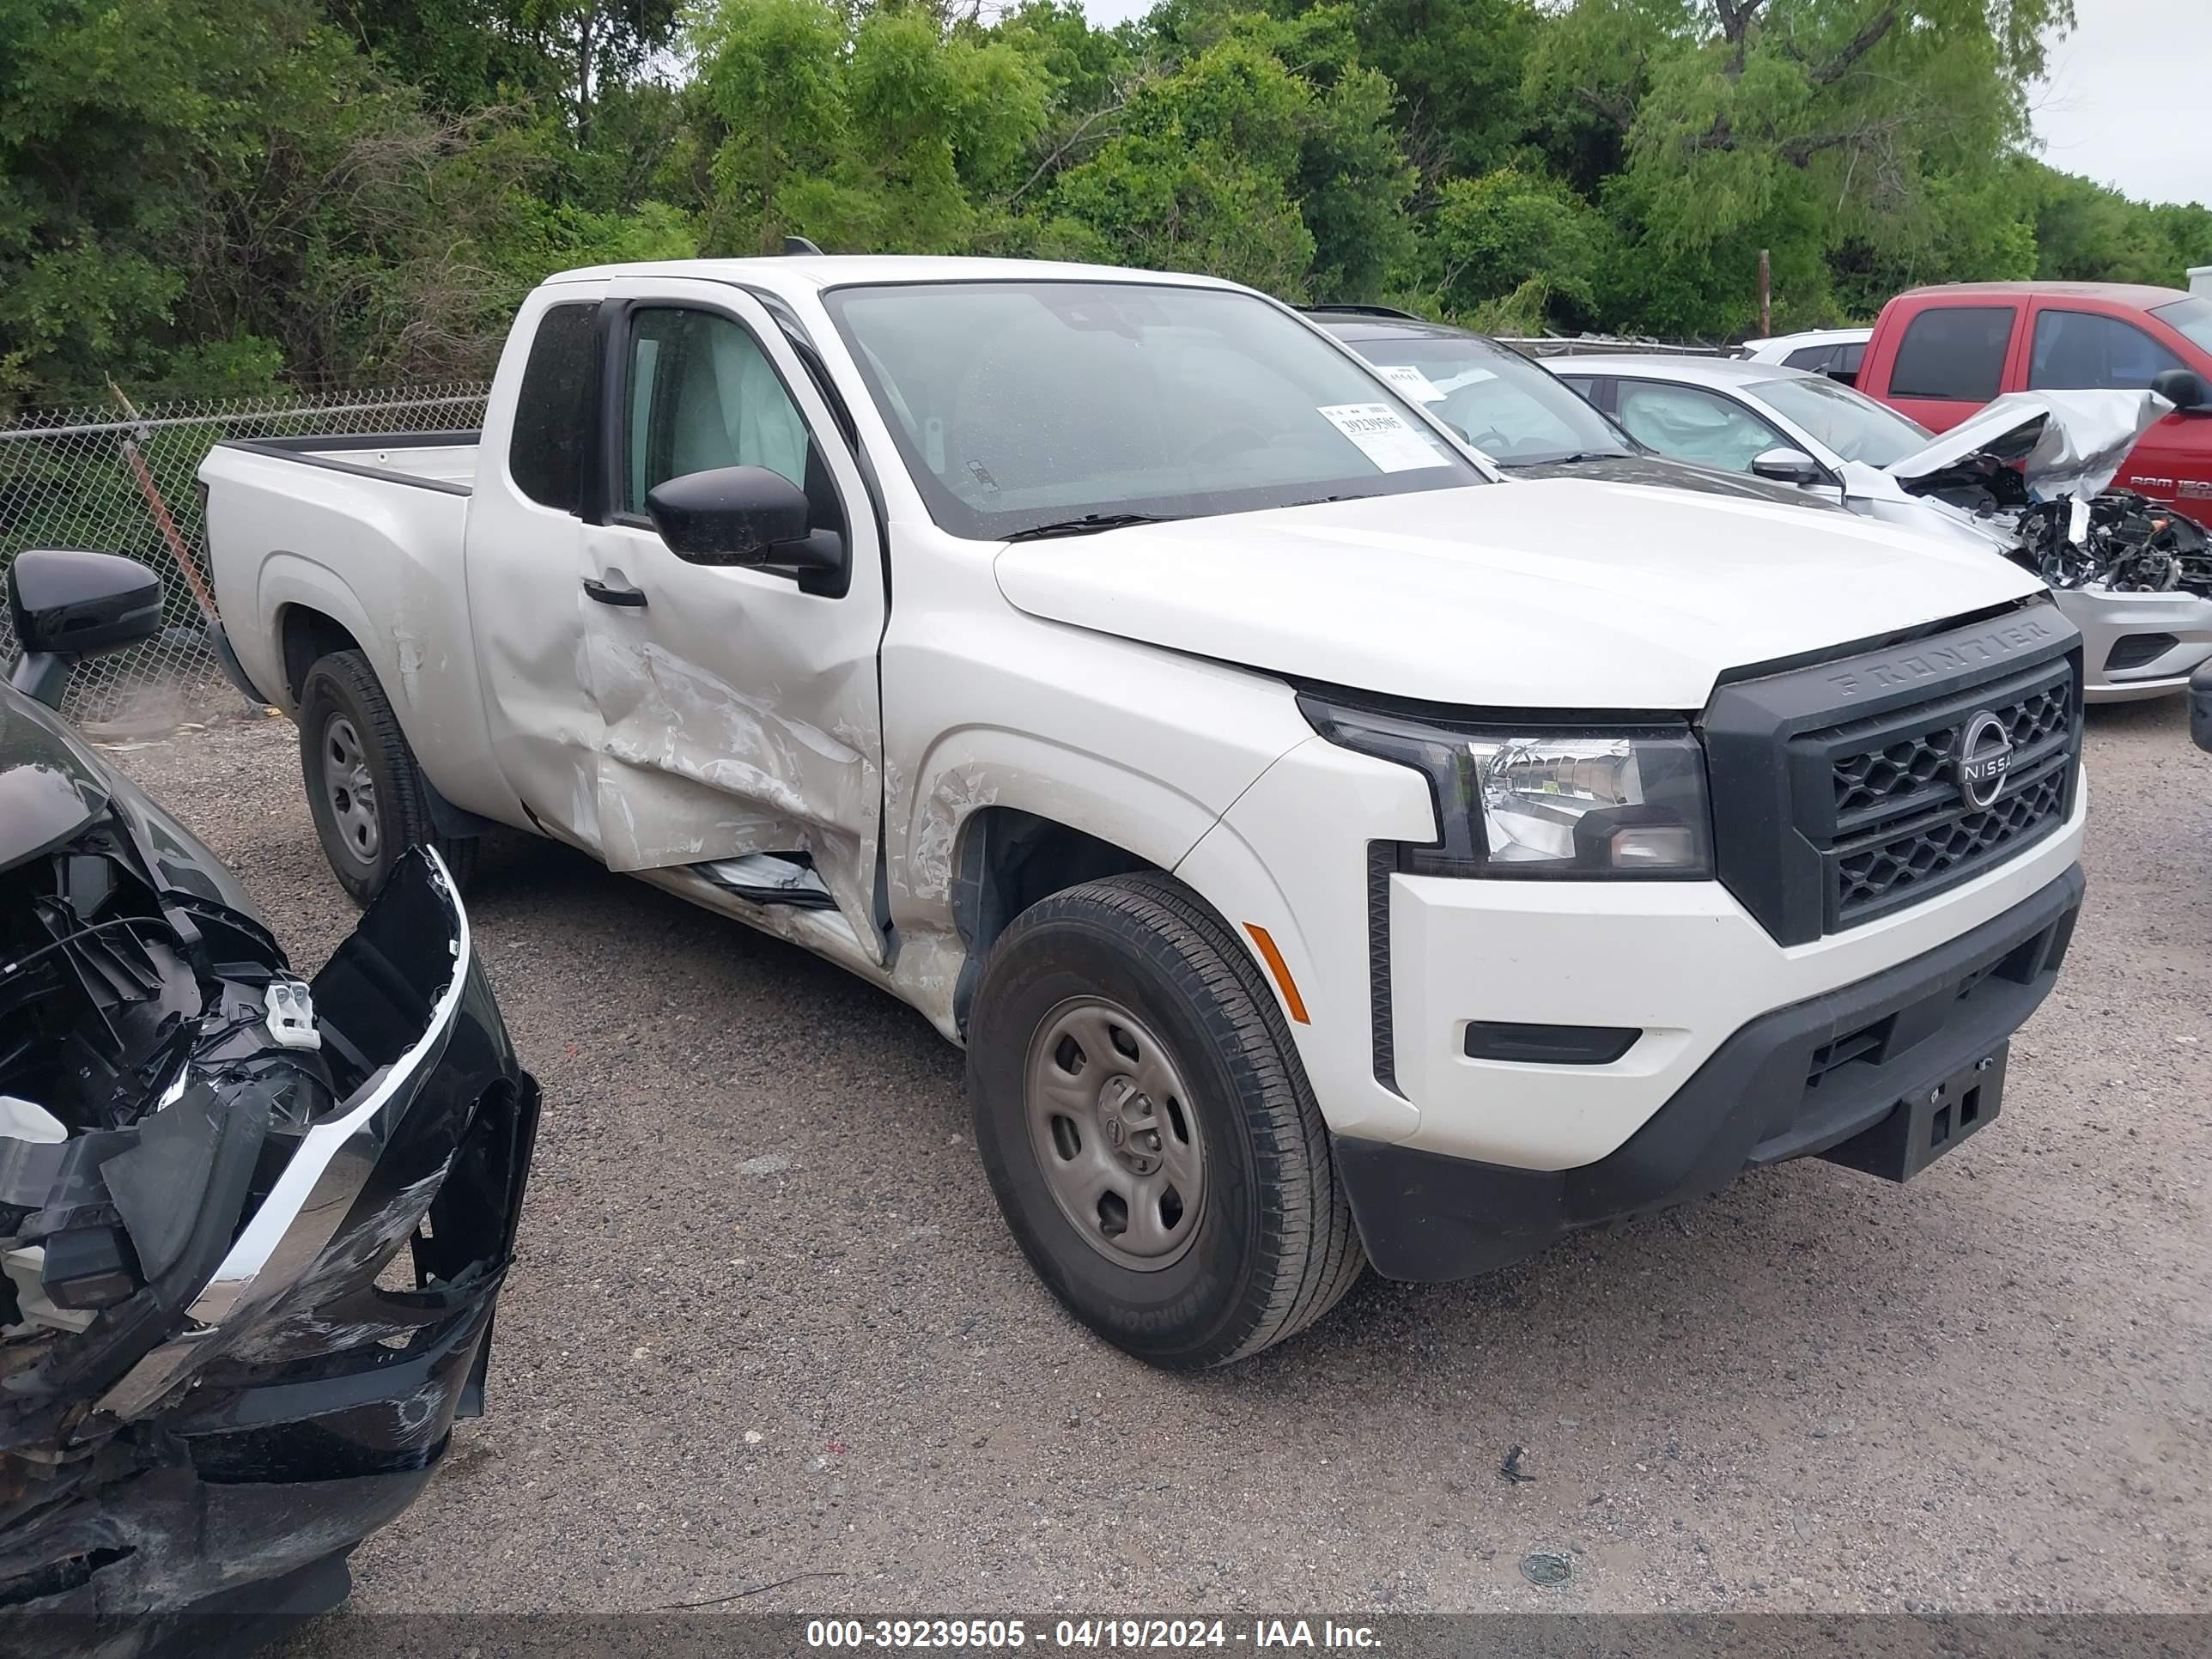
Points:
(2142, 634)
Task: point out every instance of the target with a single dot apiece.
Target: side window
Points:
(703, 395)
(1955, 352)
(1693, 425)
(1848, 359)
(2077, 350)
(1812, 356)
(553, 411)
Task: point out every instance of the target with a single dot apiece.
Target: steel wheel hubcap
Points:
(1115, 1133)
(351, 791)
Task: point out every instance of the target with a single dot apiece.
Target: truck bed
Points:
(365, 533)
(432, 461)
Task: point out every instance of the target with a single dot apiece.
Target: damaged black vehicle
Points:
(252, 1228)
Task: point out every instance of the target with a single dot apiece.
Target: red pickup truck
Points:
(1938, 354)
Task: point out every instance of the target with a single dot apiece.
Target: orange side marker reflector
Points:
(1280, 969)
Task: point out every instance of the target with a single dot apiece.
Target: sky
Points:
(2124, 104)
(2125, 99)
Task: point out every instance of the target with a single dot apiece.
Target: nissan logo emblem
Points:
(1984, 757)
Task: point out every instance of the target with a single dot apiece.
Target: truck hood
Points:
(1547, 594)
(2065, 443)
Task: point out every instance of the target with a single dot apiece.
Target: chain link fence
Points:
(128, 482)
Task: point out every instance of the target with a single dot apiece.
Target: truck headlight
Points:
(1532, 799)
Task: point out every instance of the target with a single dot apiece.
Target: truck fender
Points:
(287, 579)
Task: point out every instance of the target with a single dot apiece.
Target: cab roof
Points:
(2143, 294)
(787, 273)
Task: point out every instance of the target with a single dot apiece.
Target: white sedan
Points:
(1834, 352)
(1790, 426)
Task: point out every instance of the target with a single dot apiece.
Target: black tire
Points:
(343, 711)
(1272, 1248)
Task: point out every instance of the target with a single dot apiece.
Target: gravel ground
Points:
(766, 1322)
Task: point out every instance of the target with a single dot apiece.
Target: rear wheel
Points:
(368, 797)
(1148, 1129)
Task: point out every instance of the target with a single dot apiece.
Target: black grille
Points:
(1902, 827)
(1836, 790)
(1930, 855)
(1903, 776)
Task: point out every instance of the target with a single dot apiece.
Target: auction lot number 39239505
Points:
(1087, 1635)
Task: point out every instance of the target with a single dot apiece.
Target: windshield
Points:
(2191, 317)
(1027, 404)
(1513, 411)
(1849, 422)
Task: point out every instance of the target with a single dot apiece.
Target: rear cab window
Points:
(1953, 353)
(554, 412)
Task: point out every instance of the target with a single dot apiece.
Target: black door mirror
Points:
(1789, 466)
(739, 515)
(2183, 388)
(69, 605)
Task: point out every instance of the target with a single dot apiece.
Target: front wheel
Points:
(368, 797)
(1148, 1130)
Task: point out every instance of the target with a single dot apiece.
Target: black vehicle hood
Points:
(53, 784)
(1666, 474)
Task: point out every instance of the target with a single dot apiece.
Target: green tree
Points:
(1517, 250)
(889, 133)
(1197, 176)
(1800, 125)
(467, 55)
(1255, 147)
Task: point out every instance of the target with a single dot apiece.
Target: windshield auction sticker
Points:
(1383, 435)
(1409, 379)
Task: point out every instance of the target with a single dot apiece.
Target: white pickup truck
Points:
(1327, 852)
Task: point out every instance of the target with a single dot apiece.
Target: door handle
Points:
(615, 593)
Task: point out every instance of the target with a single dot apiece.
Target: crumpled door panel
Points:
(693, 769)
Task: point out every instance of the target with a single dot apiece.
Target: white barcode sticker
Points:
(1409, 379)
(1383, 436)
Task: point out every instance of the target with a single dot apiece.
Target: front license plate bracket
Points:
(1928, 1122)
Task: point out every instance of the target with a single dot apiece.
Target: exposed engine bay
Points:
(252, 1228)
(2035, 471)
(2129, 544)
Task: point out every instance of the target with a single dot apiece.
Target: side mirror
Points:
(739, 515)
(1789, 466)
(69, 605)
(2183, 388)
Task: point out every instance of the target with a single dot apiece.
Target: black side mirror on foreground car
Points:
(740, 515)
(69, 605)
(2183, 388)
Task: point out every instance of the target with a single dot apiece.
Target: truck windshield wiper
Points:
(1091, 523)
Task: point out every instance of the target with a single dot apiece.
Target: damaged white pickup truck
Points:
(1325, 853)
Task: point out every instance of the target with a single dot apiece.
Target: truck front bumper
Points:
(1882, 1074)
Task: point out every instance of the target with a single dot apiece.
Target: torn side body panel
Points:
(696, 770)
